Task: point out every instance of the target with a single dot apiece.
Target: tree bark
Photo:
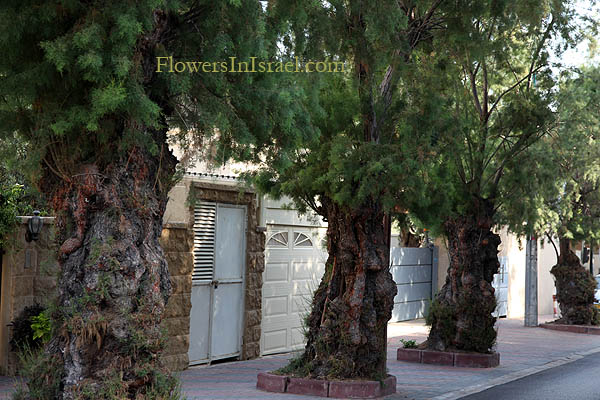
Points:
(347, 326)
(461, 314)
(575, 288)
(114, 281)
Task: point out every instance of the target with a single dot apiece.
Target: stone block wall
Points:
(29, 274)
(177, 241)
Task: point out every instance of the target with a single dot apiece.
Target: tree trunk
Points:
(347, 326)
(575, 288)
(114, 281)
(461, 315)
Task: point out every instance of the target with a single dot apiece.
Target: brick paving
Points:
(522, 351)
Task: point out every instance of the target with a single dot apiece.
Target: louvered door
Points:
(217, 281)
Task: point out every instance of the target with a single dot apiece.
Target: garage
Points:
(294, 266)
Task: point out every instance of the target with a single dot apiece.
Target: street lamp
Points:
(34, 227)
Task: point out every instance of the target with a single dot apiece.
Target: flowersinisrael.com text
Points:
(168, 64)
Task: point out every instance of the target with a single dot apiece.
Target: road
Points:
(579, 380)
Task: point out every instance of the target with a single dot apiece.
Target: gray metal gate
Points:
(217, 282)
(413, 270)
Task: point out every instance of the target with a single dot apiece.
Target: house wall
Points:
(29, 273)
(177, 241)
(516, 252)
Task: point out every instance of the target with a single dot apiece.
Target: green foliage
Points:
(493, 71)
(298, 366)
(85, 88)
(9, 209)
(571, 205)
(408, 344)
(42, 374)
(371, 143)
(23, 332)
(444, 318)
(40, 325)
(160, 387)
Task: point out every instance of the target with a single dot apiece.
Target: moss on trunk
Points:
(347, 326)
(461, 314)
(575, 288)
(114, 281)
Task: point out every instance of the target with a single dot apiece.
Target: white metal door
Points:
(500, 284)
(217, 282)
(228, 282)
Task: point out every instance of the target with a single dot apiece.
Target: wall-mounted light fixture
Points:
(34, 227)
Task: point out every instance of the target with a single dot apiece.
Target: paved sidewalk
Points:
(523, 351)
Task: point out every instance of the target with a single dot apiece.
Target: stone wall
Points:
(177, 241)
(255, 259)
(29, 272)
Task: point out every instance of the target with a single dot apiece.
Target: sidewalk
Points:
(523, 351)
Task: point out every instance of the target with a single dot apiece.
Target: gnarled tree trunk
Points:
(461, 314)
(114, 281)
(575, 288)
(347, 326)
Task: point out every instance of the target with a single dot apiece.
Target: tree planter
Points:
(324, 388)
(461, 360)
(586, 329)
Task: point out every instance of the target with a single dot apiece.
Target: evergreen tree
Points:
(79, 81)
(572, 211)
(374, 122)
(498, 79)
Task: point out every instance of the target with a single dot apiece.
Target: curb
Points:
(457, 394)
(333, 389)
(586, 329)
(451, 359)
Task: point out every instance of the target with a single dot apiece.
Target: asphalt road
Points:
(579, 380)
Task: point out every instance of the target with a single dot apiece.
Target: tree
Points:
(17, 196)
(374, 124)
(80, 80)
(572, 212)
(496, 74)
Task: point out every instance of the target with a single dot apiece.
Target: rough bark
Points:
(109, 198)
(347, 326)
(575, 288)
(461, 315)
(114, 281)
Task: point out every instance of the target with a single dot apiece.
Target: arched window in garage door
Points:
(278, 240)
(302, 240)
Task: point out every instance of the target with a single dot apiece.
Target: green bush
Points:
(42, 373)
(40, 325)
(408, 344)
(24, 334)
(10, 196)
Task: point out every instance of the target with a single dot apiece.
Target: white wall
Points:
(515, 251)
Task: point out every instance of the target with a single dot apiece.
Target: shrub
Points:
(24, 336)
(408, 344)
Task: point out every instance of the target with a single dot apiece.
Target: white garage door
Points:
(295, 264)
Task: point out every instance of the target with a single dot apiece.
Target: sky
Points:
(579, 55)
